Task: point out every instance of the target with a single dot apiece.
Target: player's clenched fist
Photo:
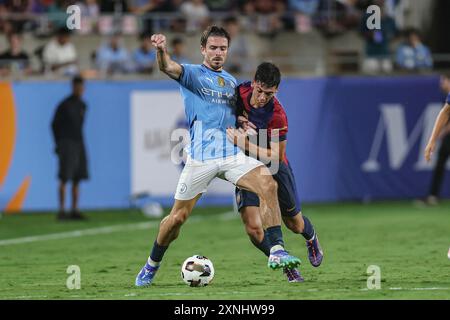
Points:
(159, 41)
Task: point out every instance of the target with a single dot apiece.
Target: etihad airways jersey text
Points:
(209, 100)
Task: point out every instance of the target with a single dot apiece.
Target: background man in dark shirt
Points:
(67, 128)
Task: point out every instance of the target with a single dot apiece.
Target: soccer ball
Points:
(197, 271)
(153, 210)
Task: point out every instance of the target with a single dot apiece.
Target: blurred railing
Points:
(290, 66)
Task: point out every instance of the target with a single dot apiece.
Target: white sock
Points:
(152, 263)
(276, 248)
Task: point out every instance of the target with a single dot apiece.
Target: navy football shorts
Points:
(287, 193)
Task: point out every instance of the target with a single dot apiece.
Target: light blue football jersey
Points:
(209, 100)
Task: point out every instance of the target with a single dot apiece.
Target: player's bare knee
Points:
(255, 233)
(179, 216)
(178, 220)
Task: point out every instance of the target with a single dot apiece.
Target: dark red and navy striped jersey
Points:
(271, 117)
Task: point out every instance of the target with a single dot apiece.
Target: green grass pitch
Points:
(408, 243)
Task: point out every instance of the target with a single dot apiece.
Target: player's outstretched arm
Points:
(440, 123)
(165, 63)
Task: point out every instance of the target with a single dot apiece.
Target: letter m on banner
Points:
(392, 125)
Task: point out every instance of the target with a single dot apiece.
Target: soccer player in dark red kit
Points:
(258, 109)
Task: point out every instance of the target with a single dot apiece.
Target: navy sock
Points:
(157, 252)
(275, 236)
(308, 231)
(264, 246)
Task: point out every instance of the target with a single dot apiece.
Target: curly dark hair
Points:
(214, 31)
(268, 74)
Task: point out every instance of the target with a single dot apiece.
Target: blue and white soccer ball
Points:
(197, 271)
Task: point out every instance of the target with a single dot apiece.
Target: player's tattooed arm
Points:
(165, 63)
(439, 125)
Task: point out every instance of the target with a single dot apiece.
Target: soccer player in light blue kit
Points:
(209, 98)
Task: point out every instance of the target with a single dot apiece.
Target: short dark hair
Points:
(214, 31)
(78, 79)
(63, 31)
(176, 41)
(268, 74)
(230, 20)
(144, 35)
(410, 31)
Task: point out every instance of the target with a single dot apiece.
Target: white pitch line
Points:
(233, 293)
(419, 289)
(254, 292)
(407, 289)
(78, 233)
(27, 297)
(104, 230)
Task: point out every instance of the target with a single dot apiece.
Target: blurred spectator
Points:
(247, 16)
(398, 10)
(238, 51)
(41, 6)
(57, 14)
(348, 14)
(144, 57)
(196, 14)
(90, 12)
(59, 55)
(111, 6)
(14, 59)
(338, 16)
(143, 7)
(89, 8)
(112, 57)
(221, 5)
(5, 25)
(19, 10)
(304, 11)
(308, 7)
(41, 27)
(178, 49)
(413, 54)
(378, 42)
(269, 16)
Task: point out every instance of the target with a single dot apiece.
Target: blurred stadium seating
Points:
(329, 42)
